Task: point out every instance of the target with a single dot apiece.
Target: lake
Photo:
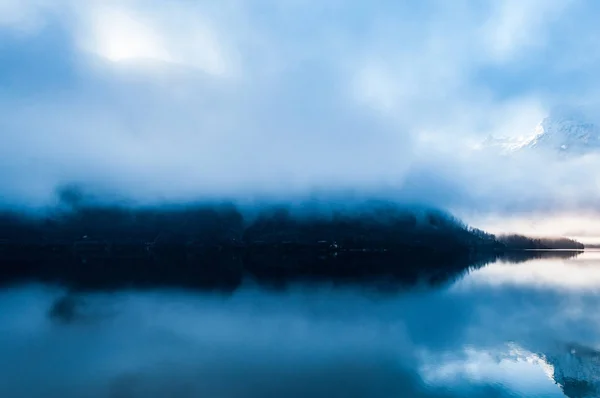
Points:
(518, 328)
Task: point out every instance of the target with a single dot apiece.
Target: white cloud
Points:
(515, 26)
(161, 32)
(119, 36)
(286, 96)
(26, 17)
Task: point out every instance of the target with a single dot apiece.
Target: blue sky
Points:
(177, 100)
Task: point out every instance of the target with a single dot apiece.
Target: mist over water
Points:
(493, 332)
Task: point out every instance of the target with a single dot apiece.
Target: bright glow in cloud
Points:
(166, 33)
(120, 36)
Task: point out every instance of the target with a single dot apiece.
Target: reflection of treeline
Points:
(212, 269)
(520, 242)
(226, 270)
(522, 256)
(375, 227)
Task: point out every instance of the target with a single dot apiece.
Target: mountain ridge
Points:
(560, 133)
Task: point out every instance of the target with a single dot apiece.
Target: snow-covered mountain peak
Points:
(566, 134)
(576, 370)
(558, 133)
(506, 145)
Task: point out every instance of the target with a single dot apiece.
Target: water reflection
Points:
(230, 270)
(575, 271)
(522, 256)
(501, 330)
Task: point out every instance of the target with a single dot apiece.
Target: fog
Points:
(155, 102)
(484, 336)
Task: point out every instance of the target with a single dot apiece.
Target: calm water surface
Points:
(506, 330)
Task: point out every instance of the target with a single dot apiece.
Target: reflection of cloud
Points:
(576, 370)
(449, 342)
(524, 372)
(580, 272)
(178, 344)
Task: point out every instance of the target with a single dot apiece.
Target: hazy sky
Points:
(178, 100)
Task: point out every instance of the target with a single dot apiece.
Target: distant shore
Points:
(218, 246)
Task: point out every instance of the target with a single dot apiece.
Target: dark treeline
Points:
(377, 227)
(520, 242)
